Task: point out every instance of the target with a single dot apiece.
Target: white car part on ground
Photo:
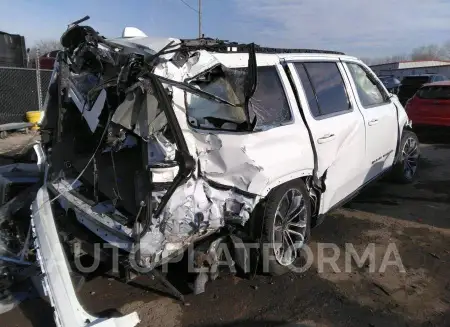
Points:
(56, 278)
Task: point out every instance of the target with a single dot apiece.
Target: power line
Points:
(199, 12)
(189, 6)
(200, 35)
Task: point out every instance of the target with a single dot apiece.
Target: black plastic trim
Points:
(183, 157)
(311, 138)
(220, 186)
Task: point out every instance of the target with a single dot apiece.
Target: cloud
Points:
(359, 27)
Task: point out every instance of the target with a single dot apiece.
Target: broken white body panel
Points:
(132, 32)
(56, 278)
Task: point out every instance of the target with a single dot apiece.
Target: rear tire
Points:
(405, 169)
(287, 224)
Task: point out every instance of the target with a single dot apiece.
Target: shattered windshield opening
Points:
(268, 105)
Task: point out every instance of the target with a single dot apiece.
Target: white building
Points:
(404, 68)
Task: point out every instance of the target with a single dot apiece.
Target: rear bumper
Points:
(56, 278)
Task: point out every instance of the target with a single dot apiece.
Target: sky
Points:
(361, 28)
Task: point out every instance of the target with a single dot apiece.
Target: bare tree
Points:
(44, 47)
(385, 60)
(445, 51)
(427, 52)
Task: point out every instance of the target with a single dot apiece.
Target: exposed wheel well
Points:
(254, 224)
(407, 127)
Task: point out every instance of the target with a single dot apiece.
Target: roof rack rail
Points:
(290, 50)
(227, 46)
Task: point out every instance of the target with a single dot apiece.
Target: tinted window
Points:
(434, 92)
(327, 85)
(439, 78)
(369, 91)
(269, 103)
(389, 81)
(309, 92)
(386, 79)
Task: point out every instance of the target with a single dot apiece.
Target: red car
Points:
(47, 60)
(430, 105)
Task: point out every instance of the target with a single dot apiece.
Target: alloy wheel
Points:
(289, 227)
(410, 154)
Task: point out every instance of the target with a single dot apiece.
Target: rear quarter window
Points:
(269, 104)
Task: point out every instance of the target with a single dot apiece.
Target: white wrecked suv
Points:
(156, 145)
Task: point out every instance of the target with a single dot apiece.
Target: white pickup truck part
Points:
(155, 145)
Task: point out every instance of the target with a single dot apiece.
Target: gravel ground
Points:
(416, 218)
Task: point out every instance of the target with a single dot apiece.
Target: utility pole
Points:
(199, 18)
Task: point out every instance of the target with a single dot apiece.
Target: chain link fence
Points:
(19, 92)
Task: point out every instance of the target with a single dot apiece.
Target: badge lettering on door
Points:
(382, 157)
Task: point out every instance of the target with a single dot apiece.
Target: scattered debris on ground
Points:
(382, 214)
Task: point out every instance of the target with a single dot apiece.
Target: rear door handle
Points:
(373, 122)
(326, 138)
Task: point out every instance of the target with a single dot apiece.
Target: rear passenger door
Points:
(337, 128)
(380, 118)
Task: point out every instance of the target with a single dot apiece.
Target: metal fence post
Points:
(38, 80)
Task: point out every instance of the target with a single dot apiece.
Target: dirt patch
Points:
(163, 312)
(417, 293)
(425, 163)
(437, 187)
(347, 297)
(411, 220)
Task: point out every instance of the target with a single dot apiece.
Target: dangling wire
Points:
(84, 169)
(115, 190)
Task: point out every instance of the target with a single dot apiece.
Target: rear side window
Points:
(324, 87)
(440, 78)
(434, 92)
(269, 102)
(370, 92)
(268, 105)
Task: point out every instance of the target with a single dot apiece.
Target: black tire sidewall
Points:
(398, 171)
(271, 206)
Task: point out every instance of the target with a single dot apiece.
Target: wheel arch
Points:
(257, 215)
(263, 190)
(407, 126)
